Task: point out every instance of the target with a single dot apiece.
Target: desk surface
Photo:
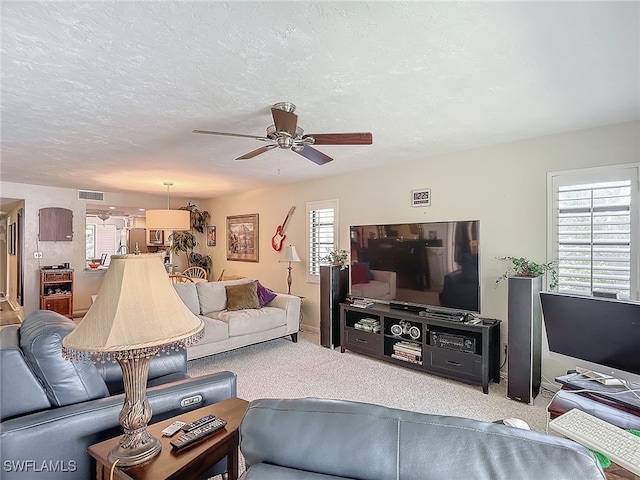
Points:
(189, 463)
(612, 393)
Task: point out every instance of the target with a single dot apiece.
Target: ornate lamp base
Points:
(129, 456)
(136, 445)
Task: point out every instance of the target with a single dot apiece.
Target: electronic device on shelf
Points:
(617, 444)
(461, 343)
(598, 334)
(435, 264)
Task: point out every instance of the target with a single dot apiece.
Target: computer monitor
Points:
(598, 334)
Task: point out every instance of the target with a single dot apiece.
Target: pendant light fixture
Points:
(168, 219)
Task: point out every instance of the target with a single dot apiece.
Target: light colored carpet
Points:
(282, 369)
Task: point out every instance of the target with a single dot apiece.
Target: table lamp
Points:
(136, 315)
(290, 255)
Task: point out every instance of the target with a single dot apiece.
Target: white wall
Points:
(503, 186)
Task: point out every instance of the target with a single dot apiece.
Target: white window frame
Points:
(314, 250)
(613, 173)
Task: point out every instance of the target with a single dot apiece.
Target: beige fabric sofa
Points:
(226, 330)
(382, 287)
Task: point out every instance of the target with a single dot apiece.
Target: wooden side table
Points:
(186, 464)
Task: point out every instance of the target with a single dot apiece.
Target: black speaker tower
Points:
(334, 286)
(525, 338)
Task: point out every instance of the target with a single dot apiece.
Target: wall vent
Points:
(90, 195)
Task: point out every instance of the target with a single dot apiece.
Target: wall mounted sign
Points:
(421, 198)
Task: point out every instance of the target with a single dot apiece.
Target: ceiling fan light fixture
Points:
(285, 106)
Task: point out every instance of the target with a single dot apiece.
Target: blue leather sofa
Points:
(314, 439)
(53, 409)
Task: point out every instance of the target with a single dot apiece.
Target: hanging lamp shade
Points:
(168, 219)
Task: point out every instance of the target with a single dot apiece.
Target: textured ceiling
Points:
(104, 95)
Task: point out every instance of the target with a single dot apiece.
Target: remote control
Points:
(172, 429)
(193, 436)
(198, 423)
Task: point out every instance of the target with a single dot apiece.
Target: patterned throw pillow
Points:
(243, 296)
(264, 294)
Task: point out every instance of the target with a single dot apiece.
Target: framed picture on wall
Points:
(211, 236)
(242, 238)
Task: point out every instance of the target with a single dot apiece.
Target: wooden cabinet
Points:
(56, 291)
(430, 342)
(56, 225)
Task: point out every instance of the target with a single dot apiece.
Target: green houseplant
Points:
(523, 267)
(185, 241)
(337, 256)
(199, 218)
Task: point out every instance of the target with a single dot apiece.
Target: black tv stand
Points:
(613, 393)
(465, 351)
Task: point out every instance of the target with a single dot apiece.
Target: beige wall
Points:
(503, 186)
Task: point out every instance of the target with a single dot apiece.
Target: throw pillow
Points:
(264, 294)
(240, 297)
(367, 265)
(359, 273)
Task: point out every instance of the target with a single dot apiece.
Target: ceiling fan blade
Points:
(363, 138)
(314, 155)
(256, 152)
(284, 121)
(231, 134)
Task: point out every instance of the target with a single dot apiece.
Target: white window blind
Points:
(321, 234)
(595, 232)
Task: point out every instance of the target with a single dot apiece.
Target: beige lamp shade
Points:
(290, 255)
(168, 219)
(136, 308)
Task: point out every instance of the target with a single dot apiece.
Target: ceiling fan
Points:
(285, 133)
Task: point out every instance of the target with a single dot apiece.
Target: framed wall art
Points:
(211, 236)
(242, 238)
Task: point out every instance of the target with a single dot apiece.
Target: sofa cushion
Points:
(244, 322)
(240, 297)
(213, 296)
(214, 329)
(189, 295)
(65, 382)
(20, 391)
(265, 296)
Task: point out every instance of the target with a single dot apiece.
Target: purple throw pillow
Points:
(264, 294)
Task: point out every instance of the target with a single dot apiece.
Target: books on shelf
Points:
(408, 352)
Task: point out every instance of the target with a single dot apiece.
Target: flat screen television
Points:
(426, 264)
(597, 334)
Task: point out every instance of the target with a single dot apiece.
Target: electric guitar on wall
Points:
(278, 238)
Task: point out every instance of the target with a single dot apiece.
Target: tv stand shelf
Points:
(453, 349)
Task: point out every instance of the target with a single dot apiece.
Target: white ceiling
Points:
(104, 95)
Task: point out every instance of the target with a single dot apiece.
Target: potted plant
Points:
(523, 267)
(337, 256)
(199, 218)
(185, 241)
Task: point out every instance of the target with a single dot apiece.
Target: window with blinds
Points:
(595, 232)
(321, 235)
